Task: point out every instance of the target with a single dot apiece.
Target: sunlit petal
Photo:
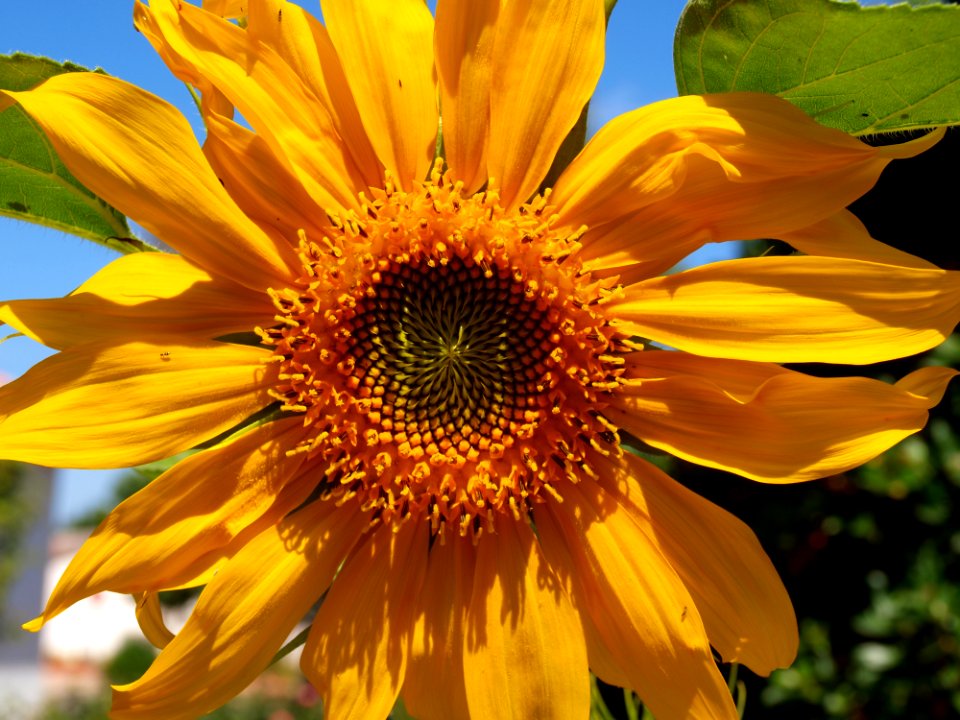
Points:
(304, 44)
(436, 652)
(769, 423)
(547, 57)
(795, 309)
(391, 77)
(138, 297)
(150, 619)
(269, 94)
(106, 405)
(242, 617)
(844, 236)
(522, 635)
(731, 166)
(128, 145)
(464, 42)
(744, 606)
(259, 182)
(182, 522)
(644, 615)
(356, 653)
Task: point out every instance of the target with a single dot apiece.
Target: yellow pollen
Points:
(449, 358)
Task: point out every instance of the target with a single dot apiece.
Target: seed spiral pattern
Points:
(455, 350)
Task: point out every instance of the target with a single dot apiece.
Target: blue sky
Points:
(38, 262)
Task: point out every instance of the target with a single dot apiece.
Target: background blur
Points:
(871, 558)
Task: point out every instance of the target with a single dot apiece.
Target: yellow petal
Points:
(737, 378)
(258, 181)
(722, 167)
(635, 251)
(207, 574)
(138, 153)
(844, 236)
(436, 652)
(602, 663)
(641, 609)
(547, 59)
(269, 94)
(181, 523)
(463, 44)
(524, 650)
(795, 309)
(928, 384)
(150, 619)
(390, 72)
(304, 44)
(103, 405)
(744, 606)
(226, 8)
(141, 296)
(356, 653)
(768, 423)
(242, 617)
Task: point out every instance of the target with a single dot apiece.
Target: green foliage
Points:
(130, 662)
(399, 711)
(259, 707)
(35, 185)
(76, 708)
(862, 70)
(280, 694)
(899, 655)
(14, 517)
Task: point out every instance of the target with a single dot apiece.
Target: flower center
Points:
(449, 358)
(452, 356)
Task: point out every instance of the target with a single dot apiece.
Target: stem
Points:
(296, 642)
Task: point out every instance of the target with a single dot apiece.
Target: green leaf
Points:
(35, 185)
(862, 70)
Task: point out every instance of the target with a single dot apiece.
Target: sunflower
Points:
(415, 372)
